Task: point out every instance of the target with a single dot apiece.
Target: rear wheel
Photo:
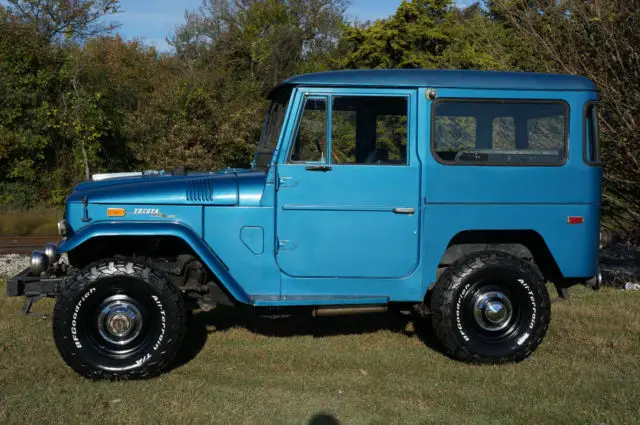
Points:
(118, 320)
(491, 307)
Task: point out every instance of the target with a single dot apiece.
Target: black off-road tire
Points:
(465, 286)
(87, 294)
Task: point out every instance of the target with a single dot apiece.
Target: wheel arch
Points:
(106, 239)
(527, 244)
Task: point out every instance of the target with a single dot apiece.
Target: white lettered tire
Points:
(491, 307)
(118, 320)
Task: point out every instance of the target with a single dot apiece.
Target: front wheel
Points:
(118, 320)
(491, 307)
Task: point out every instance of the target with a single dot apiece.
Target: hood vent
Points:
(200, 190)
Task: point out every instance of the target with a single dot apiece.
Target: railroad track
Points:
(24, 244)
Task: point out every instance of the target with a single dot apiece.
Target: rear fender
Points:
(143, 228)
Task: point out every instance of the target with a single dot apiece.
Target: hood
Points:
(210, 189)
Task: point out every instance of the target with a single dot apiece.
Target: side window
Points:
(311, 137)
(454, 133)
(504, 133)
(546, 133)
(343, 134)
(592, 135)
(500, 131)
(369, 130)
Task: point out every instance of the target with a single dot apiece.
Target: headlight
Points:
(50, 252)
(39, 262)
(62, 228)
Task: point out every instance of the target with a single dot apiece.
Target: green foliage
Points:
(600, 40)
(414, 37)
(51, 127)
(429, 34)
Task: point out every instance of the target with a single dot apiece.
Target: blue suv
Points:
(454, 194)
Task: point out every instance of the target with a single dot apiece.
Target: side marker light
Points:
(115, 212)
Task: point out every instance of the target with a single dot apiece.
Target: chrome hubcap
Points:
(493, 311)
(120, 320)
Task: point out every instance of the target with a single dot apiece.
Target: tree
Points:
(413, 37)
(75, 19)
(265, 40)
(600, 40)
(229, 54)
(28, 67)
(429, 34)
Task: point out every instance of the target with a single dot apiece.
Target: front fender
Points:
(145, 228)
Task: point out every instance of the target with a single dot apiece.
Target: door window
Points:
(368, 130)
(311, 138)
(365, 130)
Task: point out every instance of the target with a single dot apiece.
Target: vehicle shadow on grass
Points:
(323, 419)
(201, 324)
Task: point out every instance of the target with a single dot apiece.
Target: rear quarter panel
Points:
(486, 197)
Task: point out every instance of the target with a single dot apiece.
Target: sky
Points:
(154, 20)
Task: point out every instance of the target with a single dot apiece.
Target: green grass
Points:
(359, 370)
(39, 222)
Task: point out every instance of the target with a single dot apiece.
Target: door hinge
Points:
(286, 182)
(285, 245)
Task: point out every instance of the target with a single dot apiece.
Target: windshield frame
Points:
(271, 131)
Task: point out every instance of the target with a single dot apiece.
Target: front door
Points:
(348, 186)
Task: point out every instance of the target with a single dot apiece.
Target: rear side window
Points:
(592, 135)
(500, 132)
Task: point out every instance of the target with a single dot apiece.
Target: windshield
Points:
(271, 130)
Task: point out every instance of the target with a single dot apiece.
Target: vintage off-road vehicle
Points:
(451, 193)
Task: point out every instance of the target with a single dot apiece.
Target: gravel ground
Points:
(12, 264)
(620, 264)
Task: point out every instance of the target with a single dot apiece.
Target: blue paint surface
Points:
(463, 79)
(141, 228)
(290, 236)
(226, 188)
(253, 238)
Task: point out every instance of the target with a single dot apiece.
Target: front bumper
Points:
(25, 284)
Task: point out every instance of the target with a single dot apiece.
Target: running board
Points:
(345, 309)
(321, 300)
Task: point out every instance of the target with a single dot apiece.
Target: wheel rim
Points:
(492, 310)
(495, 312)
(120, 320)
(120, 324)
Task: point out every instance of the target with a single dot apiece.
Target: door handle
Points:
(323, 168)
(404, 211)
